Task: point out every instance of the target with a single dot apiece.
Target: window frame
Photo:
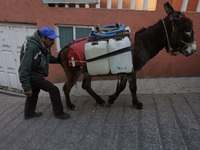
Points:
(70, 1)
(58, 48)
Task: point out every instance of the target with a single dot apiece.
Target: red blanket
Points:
(76, 53)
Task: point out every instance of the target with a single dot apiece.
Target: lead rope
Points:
(197, 54)
(169, 47)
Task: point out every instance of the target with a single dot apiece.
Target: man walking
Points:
(35, 57)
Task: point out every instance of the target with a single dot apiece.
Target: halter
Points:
(170, 50)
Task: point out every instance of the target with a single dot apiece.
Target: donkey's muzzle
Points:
(189, 50)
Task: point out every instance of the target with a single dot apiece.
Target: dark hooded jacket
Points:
(34, 61)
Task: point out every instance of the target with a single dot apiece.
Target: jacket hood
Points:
(35, 39)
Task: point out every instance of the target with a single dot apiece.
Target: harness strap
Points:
(120, 51)
(75, 41)
(169, 47)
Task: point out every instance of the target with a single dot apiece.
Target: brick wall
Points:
(163, 65)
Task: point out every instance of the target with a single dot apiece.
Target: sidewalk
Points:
(144, 86)
(169, 120)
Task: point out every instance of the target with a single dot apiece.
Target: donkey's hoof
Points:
(75, 108)
(106, 105)
(100, 101)
(71, 106)
(139, 106)
(103, 104)
(111, 100)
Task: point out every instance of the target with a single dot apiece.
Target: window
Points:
(69, 33)
(70, 1)
(187, 5)
(149, 5)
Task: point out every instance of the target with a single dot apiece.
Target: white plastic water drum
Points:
(121, 63)
(101, 66)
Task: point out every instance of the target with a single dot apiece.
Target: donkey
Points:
(174, 33)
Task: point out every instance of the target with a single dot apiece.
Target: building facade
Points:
(75, 19)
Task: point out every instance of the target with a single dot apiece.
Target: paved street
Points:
(167, 122)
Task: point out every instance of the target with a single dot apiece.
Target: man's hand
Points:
(28, 94)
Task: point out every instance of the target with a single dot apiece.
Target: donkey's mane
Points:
(148, 30)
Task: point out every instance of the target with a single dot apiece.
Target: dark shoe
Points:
(63, 116)
(36, 114)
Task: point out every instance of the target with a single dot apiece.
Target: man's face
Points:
(47, 41)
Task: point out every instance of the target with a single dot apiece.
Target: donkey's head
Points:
(180, 35)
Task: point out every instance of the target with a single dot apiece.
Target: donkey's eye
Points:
(187, 30)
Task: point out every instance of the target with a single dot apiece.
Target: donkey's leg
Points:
(87, 86)
(72, 76)
(120, 87)
(67, 98)
(67, 89)
(133, 89)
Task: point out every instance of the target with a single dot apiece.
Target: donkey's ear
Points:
(168, 8)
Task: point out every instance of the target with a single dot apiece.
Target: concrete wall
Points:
(163, 65)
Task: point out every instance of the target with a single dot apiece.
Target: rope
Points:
(93, 34)
(197, 54)
(169, 47)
